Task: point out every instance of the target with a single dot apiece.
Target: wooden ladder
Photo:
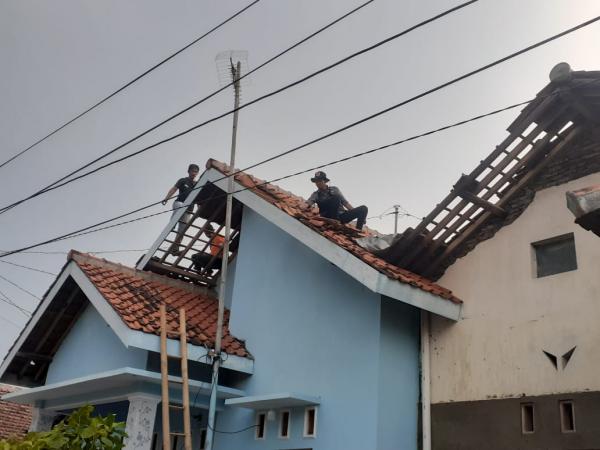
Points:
(164, 372)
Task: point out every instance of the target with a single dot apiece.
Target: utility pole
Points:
(396, 209)
(210, 432)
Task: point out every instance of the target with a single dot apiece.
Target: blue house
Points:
(322, 338)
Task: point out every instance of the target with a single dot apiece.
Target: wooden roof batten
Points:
(549, 124)
(194, 237)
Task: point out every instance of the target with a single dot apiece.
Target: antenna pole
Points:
(210, 432)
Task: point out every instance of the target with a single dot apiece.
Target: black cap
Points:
(319, 176)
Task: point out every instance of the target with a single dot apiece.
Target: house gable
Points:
(316, 331)
(515, 316)
(91, 346)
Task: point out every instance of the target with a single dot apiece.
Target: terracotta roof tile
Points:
(15, 419)
(136, 297)
(342, 235)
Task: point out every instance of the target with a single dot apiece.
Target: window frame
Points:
(535, 246)
(257, 427)
(561, 405)
(306, 416)
(280, 426)
(524, 406)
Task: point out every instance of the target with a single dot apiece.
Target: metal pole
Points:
(395, 219)
(217, 360)
(425, 382)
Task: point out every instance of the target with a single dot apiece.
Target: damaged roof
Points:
(554, 140)
(342, 235)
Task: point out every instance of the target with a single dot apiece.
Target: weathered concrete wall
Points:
(496, 424)
(510, 316)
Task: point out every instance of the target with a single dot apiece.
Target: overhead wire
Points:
(126, 85)
(33, 269)
(6, 299)
(90, 229)
(21, 288)
(93, 228)
(60, 183)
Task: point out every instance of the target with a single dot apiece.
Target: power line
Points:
(27, 267)
(6, 299)
(193, 105)
(61, 182)
(11, 322)
(92, 228)
(19, 287)
(125, 86)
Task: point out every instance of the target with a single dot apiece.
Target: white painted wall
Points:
(509, 316)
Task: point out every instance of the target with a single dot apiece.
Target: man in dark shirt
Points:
(332, 203)
(184, 186)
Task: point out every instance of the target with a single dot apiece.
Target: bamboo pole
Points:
(164, 378)
(185, 389)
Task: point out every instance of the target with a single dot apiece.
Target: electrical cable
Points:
(6, 299)
(57, 184)
(125, 86)
(92, 228)
(28, 267)
(19, 287)
(89, 229)
(11, 322)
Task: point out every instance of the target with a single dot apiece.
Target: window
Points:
(555, 255)
(203, 439)
(284, 424)
(154, 439)
(261, 425)
(567, 416)
(310, 422)
(527, 418)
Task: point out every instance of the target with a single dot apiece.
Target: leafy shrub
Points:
(77, 431)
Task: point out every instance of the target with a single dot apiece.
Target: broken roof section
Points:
(552, 141)
(288, 211)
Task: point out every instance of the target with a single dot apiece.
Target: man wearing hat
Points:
(332, 203)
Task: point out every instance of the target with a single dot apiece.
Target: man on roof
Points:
(332, 203)
(184, 186)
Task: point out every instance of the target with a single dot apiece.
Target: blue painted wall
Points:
(92, 347)
(398, 385)
(314, 330)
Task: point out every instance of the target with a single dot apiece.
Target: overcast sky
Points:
(60, 57)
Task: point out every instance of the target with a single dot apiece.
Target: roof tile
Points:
(341, 235)
(136, 299)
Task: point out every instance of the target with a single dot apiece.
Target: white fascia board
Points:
(108, 382)
(39, 312)
(146, 341)
(165, 232)
(343, 259)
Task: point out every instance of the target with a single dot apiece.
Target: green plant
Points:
(79, 430)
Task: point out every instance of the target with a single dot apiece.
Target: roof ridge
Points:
(81, 258)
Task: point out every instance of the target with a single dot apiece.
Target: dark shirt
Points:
(185, 186)
(330, 196)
